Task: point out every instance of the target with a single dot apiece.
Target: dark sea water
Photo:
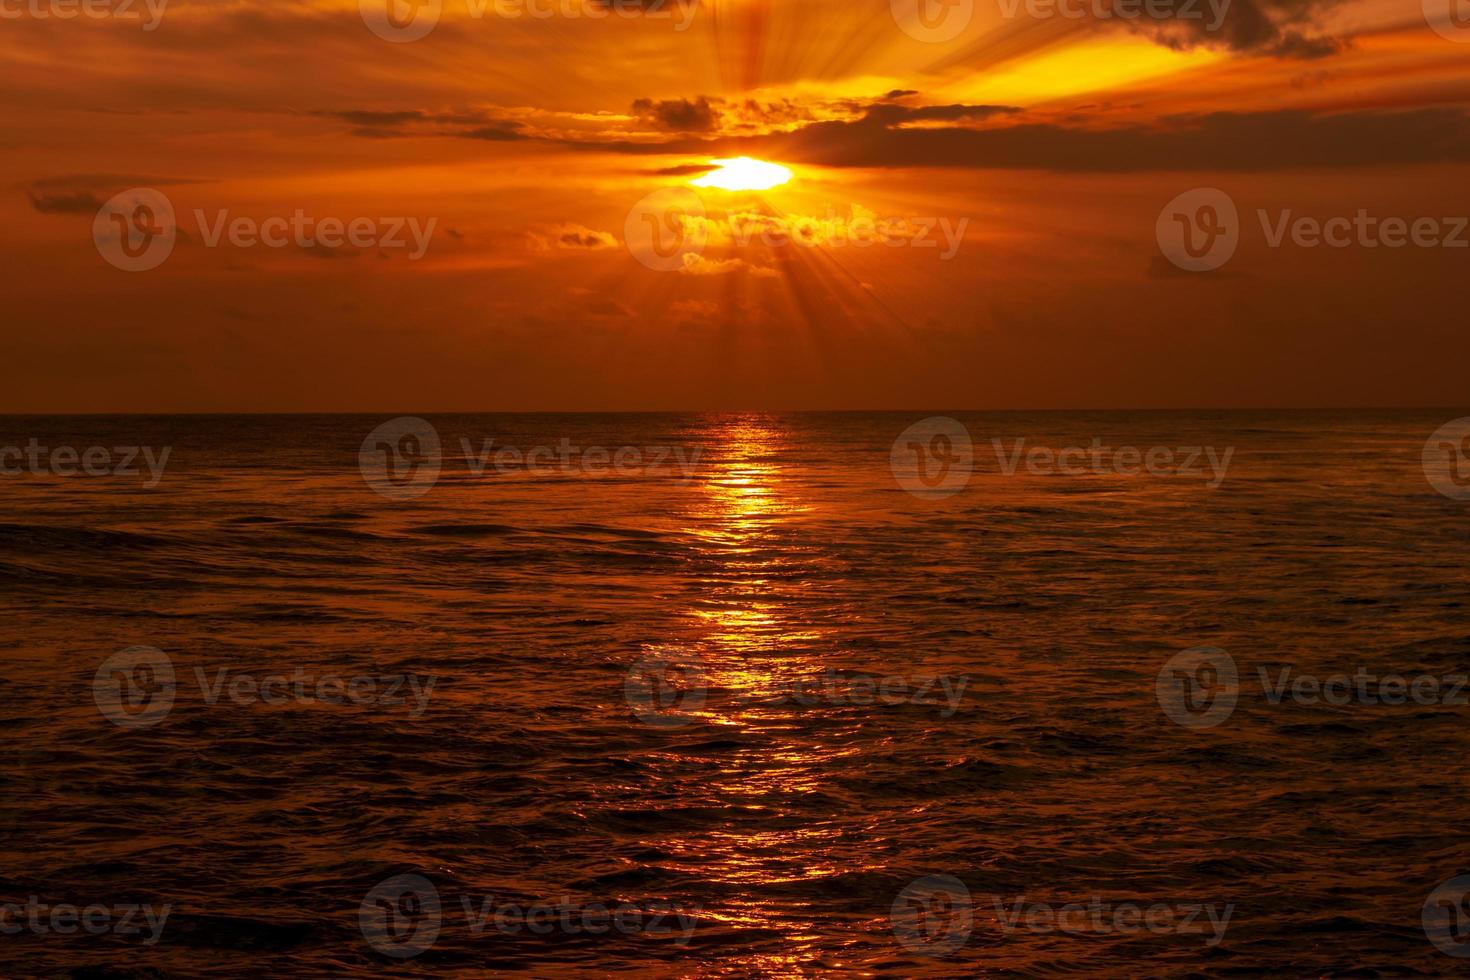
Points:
(663, 690)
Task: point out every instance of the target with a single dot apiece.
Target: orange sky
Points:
(1033, 154)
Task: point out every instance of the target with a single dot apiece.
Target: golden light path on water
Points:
(754, 648)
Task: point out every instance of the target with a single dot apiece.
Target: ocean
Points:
(938, 694)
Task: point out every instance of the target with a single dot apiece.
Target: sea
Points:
(907, 694)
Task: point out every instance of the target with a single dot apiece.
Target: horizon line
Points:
(721, 411)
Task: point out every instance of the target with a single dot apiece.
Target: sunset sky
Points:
(1046, 145)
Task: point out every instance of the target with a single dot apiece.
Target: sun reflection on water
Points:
(758, 581)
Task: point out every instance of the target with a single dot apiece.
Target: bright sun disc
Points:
(744, 174)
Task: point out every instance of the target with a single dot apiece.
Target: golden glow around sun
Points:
(744, 174)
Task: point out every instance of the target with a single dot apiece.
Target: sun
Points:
(744, 174)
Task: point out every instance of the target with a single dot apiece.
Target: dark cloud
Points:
(892, 115)
(579, 237)
(319, 251)
(81, 202)
(1224, 141)
(406, 123)
(499, 133)
(683, 170)
(678, 115)
(105, 183)
(360, 117)
(1277, 28)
